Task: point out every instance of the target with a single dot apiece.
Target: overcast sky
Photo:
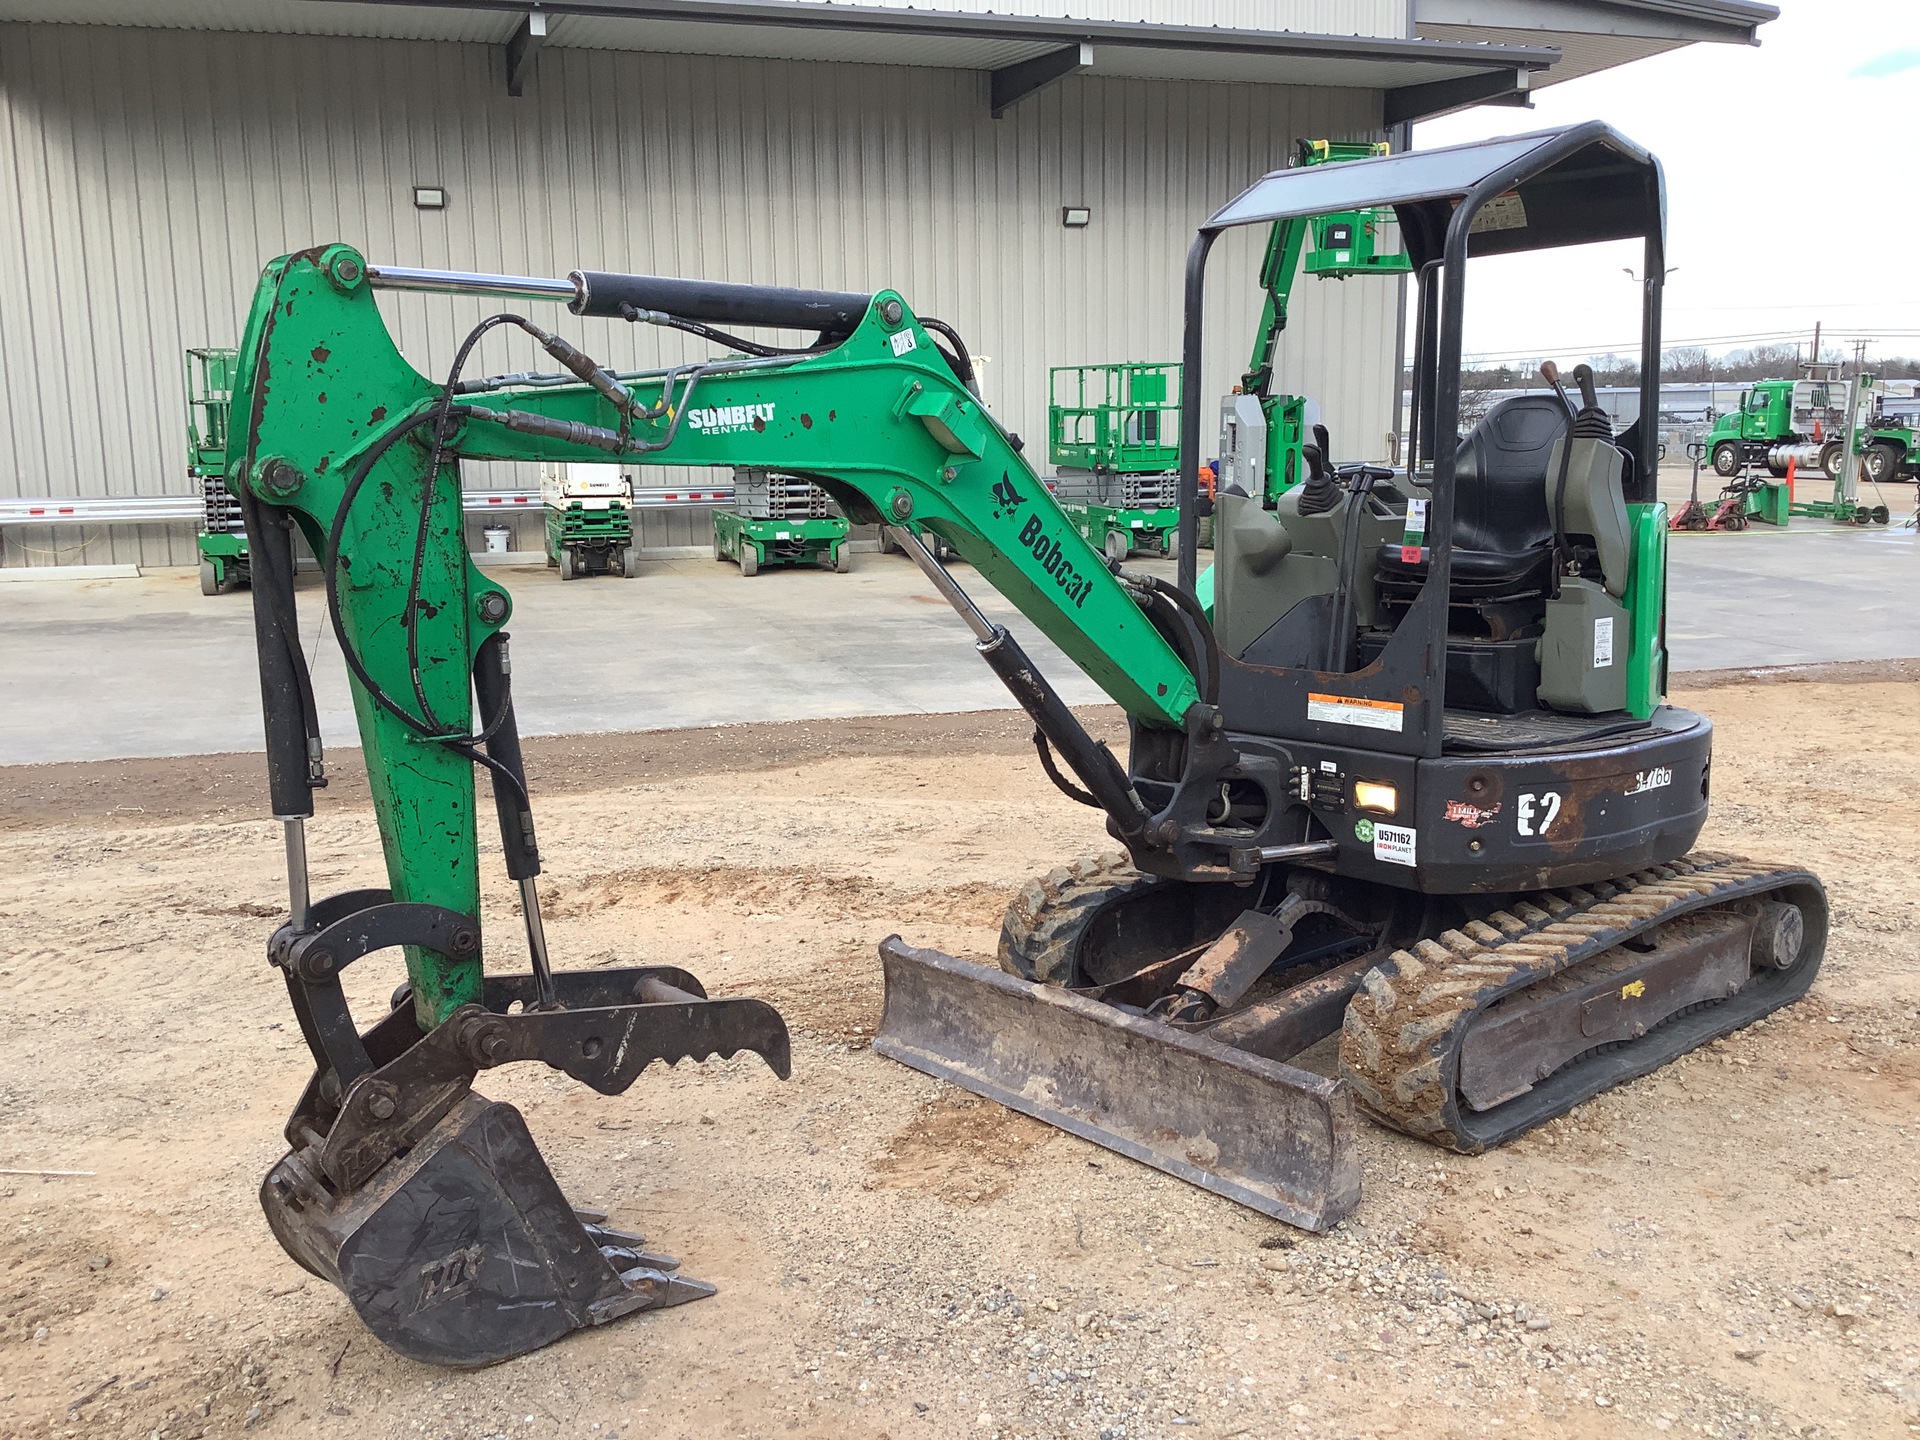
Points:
(1793, 192)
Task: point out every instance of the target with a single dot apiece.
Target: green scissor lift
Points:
(1114, 430)
(223, 536)
(1113, 436)
(780, 520)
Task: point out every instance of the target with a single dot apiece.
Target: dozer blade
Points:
(1274, 1138)
(463, 1251)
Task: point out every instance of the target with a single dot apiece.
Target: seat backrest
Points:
(1499, 495)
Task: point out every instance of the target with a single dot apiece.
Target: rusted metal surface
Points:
(1299, 1017)
(1401, 1040)
(1228, 967)
(1271, 1137)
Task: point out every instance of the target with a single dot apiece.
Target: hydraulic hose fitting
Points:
(584, 367)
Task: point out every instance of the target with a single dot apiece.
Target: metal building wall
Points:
(151, 179)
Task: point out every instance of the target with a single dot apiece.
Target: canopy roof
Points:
(1569, 186)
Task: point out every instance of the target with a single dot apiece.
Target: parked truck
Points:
(1887, 439)
(1782, 421)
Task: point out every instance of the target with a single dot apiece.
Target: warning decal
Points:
(1348, 710)
(1602, 642)
(1503, 212)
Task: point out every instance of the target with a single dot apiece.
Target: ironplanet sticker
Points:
(1350, 710)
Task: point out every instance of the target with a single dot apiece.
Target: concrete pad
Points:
(151, 667)
(42, 574)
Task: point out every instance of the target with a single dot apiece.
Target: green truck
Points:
(223, 535)
(1113, 437)
(1783, 421)
(1886, 442)
(1805, 421)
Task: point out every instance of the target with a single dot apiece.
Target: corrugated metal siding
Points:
(148, 187)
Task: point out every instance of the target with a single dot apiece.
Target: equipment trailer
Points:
(1416, 783)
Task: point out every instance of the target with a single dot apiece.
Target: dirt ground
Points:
(1726, 1248)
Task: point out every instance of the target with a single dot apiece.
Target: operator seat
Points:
(1502, 533)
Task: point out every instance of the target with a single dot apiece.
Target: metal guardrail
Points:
(191, 509)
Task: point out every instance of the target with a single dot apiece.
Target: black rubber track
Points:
(1401, 1041)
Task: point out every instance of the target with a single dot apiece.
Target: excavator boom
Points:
(427, 1204)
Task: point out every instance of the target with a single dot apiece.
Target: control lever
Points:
(1551, 373)
(1583, 377)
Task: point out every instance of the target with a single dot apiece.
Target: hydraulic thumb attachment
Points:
(429, 1205)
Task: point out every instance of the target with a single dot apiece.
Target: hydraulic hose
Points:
(1207, 670)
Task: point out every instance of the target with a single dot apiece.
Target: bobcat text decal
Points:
(1047, 551)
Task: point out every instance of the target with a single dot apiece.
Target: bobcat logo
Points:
(1006, 499)
(445, 1278)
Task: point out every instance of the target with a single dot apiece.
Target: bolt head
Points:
(464, 942)
(320, 962)
(901, 504)
(891, 311)
(381, 1107)
(493, 607)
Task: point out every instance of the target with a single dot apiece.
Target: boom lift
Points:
(1502, 889)
(1263, 436)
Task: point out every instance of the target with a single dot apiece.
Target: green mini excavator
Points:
(1414, 784)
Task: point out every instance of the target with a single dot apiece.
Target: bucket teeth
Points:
(463, 1251)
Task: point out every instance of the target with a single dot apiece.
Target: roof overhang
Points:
(1594, 35)
(1022, 53)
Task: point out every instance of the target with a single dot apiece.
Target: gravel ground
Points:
(1725, 1248)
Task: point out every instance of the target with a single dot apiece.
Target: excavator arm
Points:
(342, 434)
(338, 437)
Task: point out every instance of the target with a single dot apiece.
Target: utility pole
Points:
(1816, 346)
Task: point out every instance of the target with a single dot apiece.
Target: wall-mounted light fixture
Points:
(429, 197)
(1076, 217)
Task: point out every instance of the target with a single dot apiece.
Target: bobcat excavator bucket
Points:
(428, 1205)
(1275, 1138)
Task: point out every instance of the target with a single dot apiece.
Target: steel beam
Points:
(1422, 102)
(1013, 83)
(522, 49)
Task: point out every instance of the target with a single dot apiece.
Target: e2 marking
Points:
(1534, 813)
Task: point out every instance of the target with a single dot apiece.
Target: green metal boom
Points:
(333, 426)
